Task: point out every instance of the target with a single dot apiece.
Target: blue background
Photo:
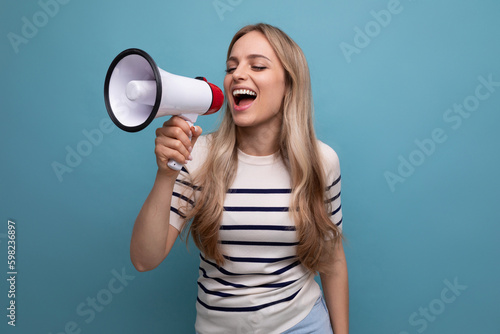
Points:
(404, 242)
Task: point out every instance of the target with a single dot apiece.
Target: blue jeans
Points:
(317, 321)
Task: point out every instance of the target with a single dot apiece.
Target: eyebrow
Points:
(252, 56)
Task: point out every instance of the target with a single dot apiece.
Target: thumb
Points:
(196, 131)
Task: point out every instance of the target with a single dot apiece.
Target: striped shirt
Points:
(262, 287)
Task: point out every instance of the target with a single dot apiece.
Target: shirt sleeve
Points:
(184, 190)
(180, 200)
(333, 183)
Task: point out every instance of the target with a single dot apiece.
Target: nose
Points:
(239, 73)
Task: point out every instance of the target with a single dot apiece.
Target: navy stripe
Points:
(182, 197)
(255, 209)
(340, 222)
(336, 210)
(243, 190)
(188, 184)
(285, 269)
(254, 191)
(258, 259)
(257, 243)
(215, 293)
(276, 285)
(174, 210)
(334, 183)
(226, 272)
(241, 286)
(259, 191)
(257, 228)
(335, 197)
(224, 282)
(246, 309)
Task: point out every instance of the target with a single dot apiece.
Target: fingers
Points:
(167, 148)
(173, 141)
(196, 131)
(174, 128)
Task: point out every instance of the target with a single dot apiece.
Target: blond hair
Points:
(298, 148)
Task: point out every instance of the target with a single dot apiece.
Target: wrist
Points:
(166, 175)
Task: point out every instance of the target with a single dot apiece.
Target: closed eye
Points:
(256, 68)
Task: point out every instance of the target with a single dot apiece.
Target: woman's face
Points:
(255, 82)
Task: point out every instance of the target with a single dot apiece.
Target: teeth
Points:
(243, 92)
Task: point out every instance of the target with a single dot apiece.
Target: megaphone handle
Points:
(172, 163)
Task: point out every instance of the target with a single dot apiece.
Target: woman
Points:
(263, 198)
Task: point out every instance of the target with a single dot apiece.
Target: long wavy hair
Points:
(309, 208)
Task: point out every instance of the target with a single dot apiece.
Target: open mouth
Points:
(244, 97)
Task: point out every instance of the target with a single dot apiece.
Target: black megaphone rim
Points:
(157, 79)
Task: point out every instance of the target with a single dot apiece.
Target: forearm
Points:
(336, 292)
(148, 246)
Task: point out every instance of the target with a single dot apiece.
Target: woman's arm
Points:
(336, 291)
(153, 236)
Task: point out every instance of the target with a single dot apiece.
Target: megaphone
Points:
(136, 91)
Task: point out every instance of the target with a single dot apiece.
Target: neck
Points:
(257, 142)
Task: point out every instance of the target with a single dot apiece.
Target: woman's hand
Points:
(173, 142)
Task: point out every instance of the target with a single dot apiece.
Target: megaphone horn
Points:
(136, 91)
